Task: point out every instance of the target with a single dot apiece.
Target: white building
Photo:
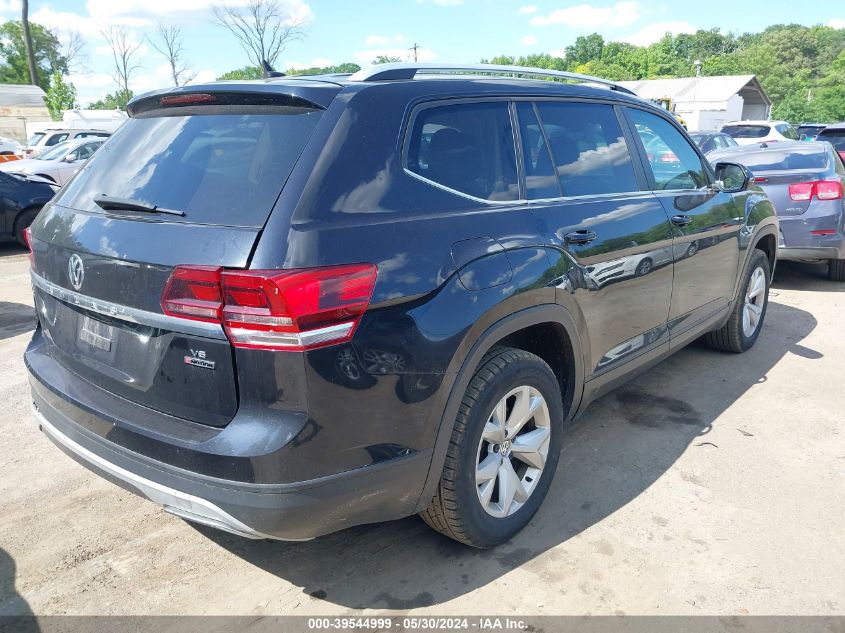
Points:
(707, 103)
(20, 104)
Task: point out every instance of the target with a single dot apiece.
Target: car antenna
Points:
(268, 71)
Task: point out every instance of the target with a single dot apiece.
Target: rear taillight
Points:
(293, 310)
(193, 292)
(820, 189)
(27, 238)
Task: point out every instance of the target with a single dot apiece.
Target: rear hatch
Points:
(189, 179)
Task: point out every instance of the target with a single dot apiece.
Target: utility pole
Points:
(415, 48)
(27, 38)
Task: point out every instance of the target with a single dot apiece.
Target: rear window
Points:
(836, 137)
(774, 160)
(746, 131)
(33, 140)
(225, 169)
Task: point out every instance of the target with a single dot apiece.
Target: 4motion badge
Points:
(198, 359)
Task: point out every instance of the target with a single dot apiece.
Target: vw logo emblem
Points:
(75, 271)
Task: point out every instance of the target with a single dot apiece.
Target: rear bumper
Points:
(295, 512)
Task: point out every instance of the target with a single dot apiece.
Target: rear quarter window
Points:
(224, 169)
(466, 147)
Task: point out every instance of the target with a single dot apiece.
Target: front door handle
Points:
(583, 236)
(681, 220)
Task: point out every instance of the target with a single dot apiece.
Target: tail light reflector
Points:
(820, 189)
(292, 310)
(823, 232)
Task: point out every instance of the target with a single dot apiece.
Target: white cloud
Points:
(587, 16)
(383, 40)
(558, 52)
(528, 40)
(204, 76)
(366, 57)
(528, 8)
(9, 6)
(105, 49)
(152, 10)
(654, 32)
(317, 62)
(836, 23)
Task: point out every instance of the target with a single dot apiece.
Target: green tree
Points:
(345, 68)
(114, 101)
(247, 72)
(47, 51)
(60, 97)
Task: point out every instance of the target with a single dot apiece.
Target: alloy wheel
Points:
(512, 451)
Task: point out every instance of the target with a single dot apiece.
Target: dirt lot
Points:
(713, 484)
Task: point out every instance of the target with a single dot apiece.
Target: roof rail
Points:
(398, 71)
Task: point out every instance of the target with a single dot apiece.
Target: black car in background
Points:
(323, 301)
(835, 135)
(712, 141)
(809, 131)
(21, 198)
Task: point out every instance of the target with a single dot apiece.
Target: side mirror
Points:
(732, 177)
(71, 158)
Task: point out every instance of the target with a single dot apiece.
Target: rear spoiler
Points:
(199, 102)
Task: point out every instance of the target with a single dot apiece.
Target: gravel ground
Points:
(713, 484)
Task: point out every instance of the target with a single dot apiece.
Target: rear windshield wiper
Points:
(109, 203)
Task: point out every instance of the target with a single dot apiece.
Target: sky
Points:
(358, 31)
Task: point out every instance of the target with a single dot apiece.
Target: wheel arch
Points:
(522, 330)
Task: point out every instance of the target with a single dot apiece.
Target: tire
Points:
(836, 270)
(733, 337)
(457, 509)
(644, 267)
(24, 220)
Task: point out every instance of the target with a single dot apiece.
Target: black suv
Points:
(289, 306)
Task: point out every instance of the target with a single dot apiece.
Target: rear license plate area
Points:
(96, 334)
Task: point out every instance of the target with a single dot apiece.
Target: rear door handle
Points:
(583, 236)
(681, 220)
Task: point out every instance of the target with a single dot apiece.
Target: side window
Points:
(83, 152)
(467, 147)
(718, 142)
(55, 139)
(673, 161)
(790, 133)
(540, 178)
(588, 148)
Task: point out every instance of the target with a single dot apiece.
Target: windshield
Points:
(697, 138)
(218, 168)
(56, 152)
(835, 137)
(33, 140)
(774, 160)
(746, 131)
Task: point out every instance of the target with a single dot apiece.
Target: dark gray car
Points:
(805, 183)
